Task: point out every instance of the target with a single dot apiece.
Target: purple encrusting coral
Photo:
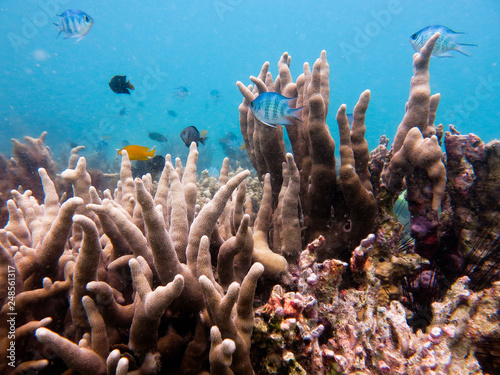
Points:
(296, 271)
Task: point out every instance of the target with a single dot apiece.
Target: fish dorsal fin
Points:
(453, 31)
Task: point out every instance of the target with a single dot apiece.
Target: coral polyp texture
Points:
(297, 269)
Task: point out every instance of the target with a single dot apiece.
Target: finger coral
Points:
(301, 268)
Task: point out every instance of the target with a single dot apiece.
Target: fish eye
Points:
(85, 18)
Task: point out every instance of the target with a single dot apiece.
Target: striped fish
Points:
(75, 24)
(274, 109)
(447, 41)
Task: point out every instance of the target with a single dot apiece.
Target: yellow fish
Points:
(136, 152)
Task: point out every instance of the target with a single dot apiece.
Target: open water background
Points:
(61, 86)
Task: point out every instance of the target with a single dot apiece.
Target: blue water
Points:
(61, 86)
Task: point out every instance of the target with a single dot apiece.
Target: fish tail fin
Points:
(203, 140)
(130, 86)
(464, 51)
(151, 153)
(294, 113)
(60, 29)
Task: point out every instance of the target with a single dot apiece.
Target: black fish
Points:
(157, 137)
(191, 134)
(172, 113)
(120, 85)
(154, 166)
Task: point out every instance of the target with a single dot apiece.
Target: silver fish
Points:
(74, 23)
(274, 109)
(447, 41)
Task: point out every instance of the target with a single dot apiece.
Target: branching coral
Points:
(127, 274)
(171, 276)
(329, 206)
(21, 169)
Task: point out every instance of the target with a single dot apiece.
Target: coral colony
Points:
(301, 270)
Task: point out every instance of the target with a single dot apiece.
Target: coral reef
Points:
(300, 270)
(20, 171)
(120, 275)
(342, 210)
(323, 330)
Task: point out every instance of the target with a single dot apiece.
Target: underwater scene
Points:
(249, 187)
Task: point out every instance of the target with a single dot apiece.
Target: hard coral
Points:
(22, 170)
(163, 276)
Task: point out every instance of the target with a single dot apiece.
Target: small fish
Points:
(157, 137)
(154, 166)
(101, 145)
(74, 23)
(273, 109)
(232, 146)
(136, 152)
(191, 134)
(181, 92)
(447, 41)
(213, 172)
(123, 111)
(215, 94)
(120, 85)
(172, 113)
(230, 141)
